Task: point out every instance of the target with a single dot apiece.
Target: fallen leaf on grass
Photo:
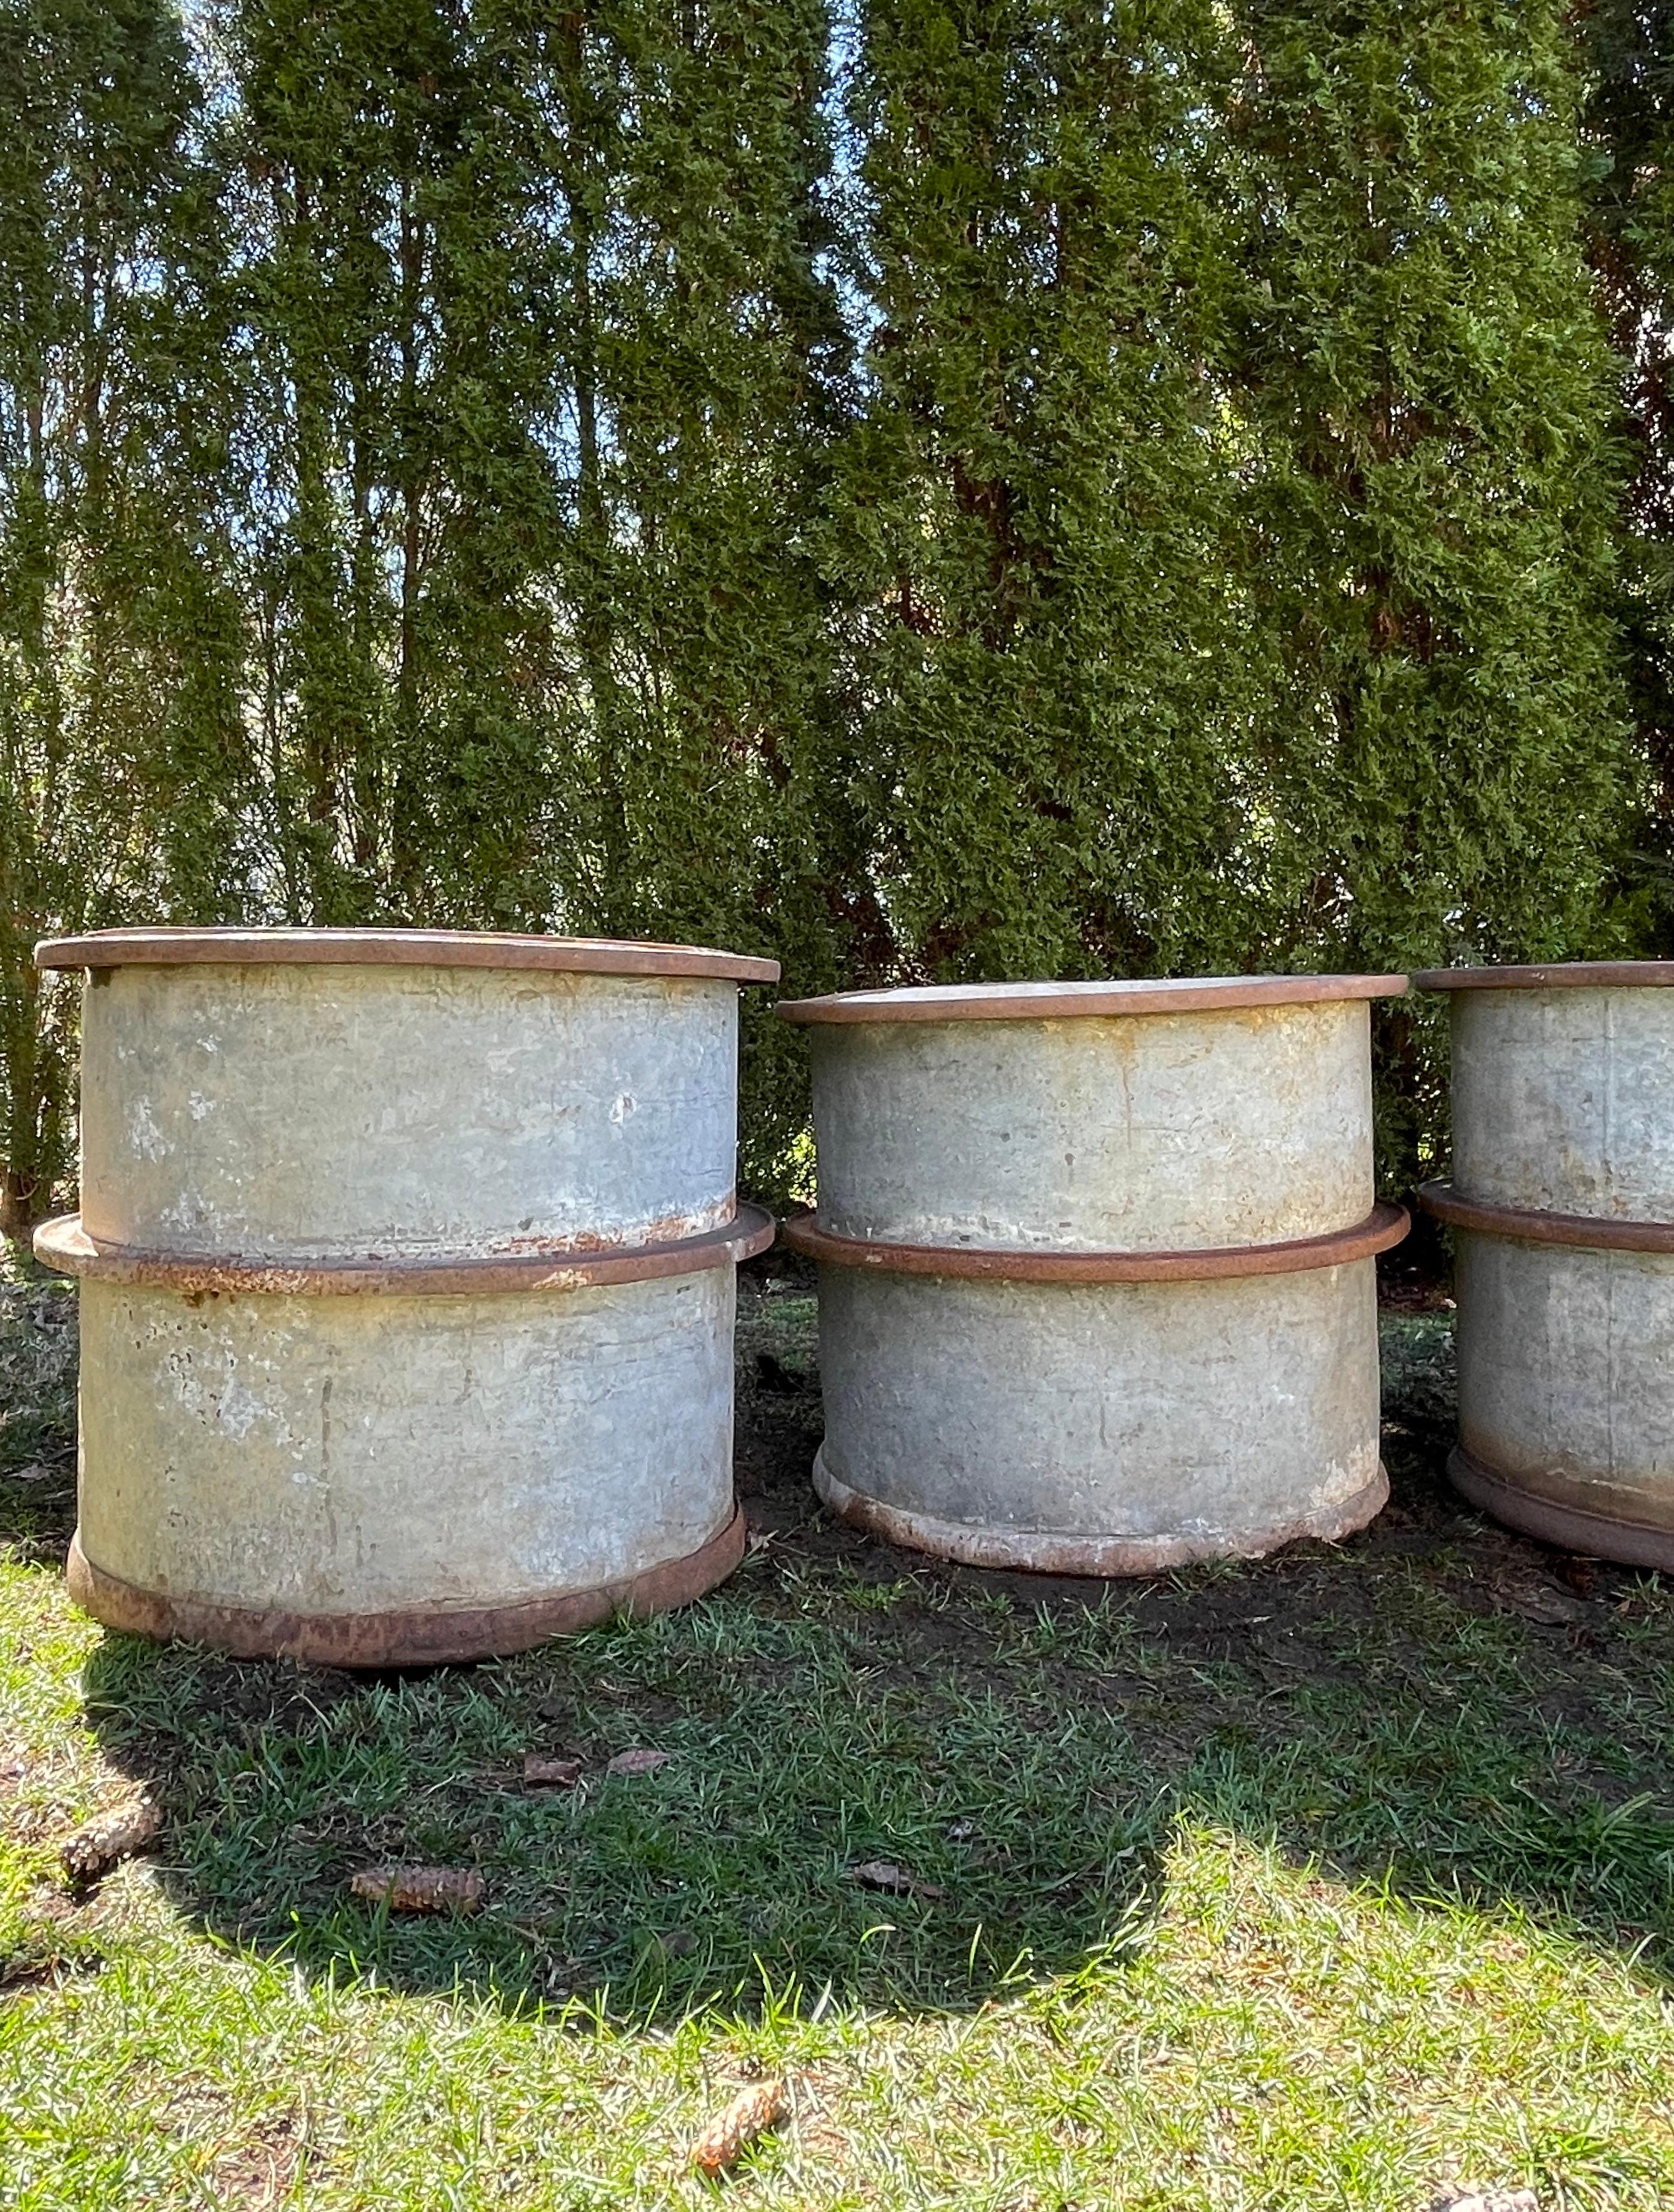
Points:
(884, 1874)
(1547, 1607)
(420, 1888)
(637, 1762)
(1495, 2200)
(98, 1844)
(726, 2138)
(543, 1773)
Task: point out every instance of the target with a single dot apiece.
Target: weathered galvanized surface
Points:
(1112, 1429)
(1561, 1208)
(285, 1112)
(407, 1265)
(1155, 1336)
(344, 1460)
(1233, 1125)
(1561, 1099)
(1566, 1393)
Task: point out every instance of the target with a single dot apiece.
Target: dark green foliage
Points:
(1630, 128)
(1096, 488)
(119, 645)
(1040, 501)
(1433, 401)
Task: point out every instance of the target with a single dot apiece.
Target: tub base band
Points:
(1050, 1553)
(416, 1637)
(1571, 1527)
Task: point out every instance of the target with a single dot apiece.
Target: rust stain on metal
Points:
(1385, 1225)
(587, 1243)
(1534, 1225)
(1034, 1002)
(400, 948)
(65, 1246)
(421, 1636)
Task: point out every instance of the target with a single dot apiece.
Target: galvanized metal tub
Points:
(1562, 1207)
(320, 1094)
(1097, 1282)
(484, 1398)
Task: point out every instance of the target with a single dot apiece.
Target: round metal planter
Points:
(1097, 1283)
(1563, 1212)
(407, 1286)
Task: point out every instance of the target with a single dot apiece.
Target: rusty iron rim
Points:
(1036, 1002)
(1558, 975)
(65, 1246)
(1529, 1225)
(1385, 1225)
(395, 948)
(419, 1636)
(1571, 1527)
(1040, 1552)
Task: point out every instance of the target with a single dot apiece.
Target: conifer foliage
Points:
(926, 487)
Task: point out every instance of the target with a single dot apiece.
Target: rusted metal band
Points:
(1560, 975)
(395, 948)
(1038, 1002)
(1529, 1225)
(1043, 1552)
(1597, 1535)
(418, 1636)
(64, 1245)
(1384, 1225)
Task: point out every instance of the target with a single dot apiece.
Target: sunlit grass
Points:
(1327, 1882)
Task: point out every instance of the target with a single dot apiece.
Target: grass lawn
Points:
(1341, 1879)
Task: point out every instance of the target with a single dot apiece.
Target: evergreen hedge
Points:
(943, 488)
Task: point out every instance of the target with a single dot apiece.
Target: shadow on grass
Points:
(1436, 1705)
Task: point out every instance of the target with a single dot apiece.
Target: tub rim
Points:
(65, 1246)
(1529, 1224)
(1047, 1552)
(171, 947)
(1555, 975)
(1385, 1225)
(1057, 1001)
(408, 1635)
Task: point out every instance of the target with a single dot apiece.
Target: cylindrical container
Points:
(406, 1263)
(1097, 1282)
(1562, 1207)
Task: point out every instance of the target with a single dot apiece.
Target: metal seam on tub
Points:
(398, 948)
(1536, 1225)
(65, 1246)
(408, 1636)
(1557, 976)
(1385, 1225)
(1070, 1001)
